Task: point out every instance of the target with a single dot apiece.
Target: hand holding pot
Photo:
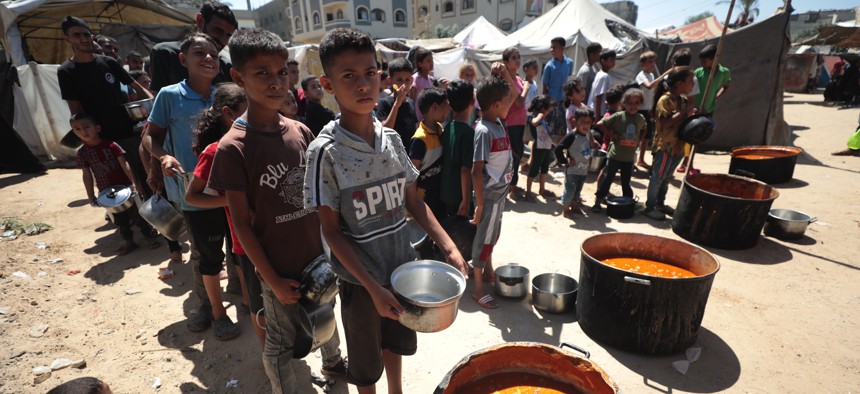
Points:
(286, 290)
(170, 166)
(456, 259)
(386, 304)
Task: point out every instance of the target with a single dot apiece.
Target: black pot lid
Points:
(620, 200)
(114, 196)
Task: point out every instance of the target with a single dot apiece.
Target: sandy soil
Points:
(782, 317)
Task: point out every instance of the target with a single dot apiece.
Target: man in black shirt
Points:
(214, 19)
(397, 111)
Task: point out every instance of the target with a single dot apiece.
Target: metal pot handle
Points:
(631, 279)
(813, 220)
(744, 173)
(574, 347)
(510, 281)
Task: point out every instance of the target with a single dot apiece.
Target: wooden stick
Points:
(714, 68)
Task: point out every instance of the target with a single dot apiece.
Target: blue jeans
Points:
(662, 168)
(612, 167)
(572, 188)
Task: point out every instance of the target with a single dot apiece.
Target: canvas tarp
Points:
(478, 33)
(702, 29)
(41, 115)
(30, 29)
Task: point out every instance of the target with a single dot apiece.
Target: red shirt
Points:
(202, 171)
(102, 160)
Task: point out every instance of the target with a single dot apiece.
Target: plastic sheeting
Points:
(41, 115)
(479, 33)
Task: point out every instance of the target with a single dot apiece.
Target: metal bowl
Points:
(512, 281)
(598, 160)
(554, 293)
(430, 291)
(786, 223)
(138, 110)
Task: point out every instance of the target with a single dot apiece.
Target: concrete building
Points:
(308, 20)
(806, 24)
(626, 10)
(273, 17)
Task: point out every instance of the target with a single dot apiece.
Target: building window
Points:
(400, 16)
(317, 20)
(448, 7)
(362, 14)
(506, 24)
(468, 5)
(339, 14)
(297, 23)
(377, 15)
(423, 11)
(329, 17)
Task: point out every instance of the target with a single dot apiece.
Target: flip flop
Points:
(487, 301)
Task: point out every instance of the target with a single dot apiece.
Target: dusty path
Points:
(782, 317)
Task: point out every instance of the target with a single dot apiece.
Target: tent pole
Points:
(714, 68)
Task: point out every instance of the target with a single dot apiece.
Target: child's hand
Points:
(93, 202)
(286, 290)
(443, 83)
(402, 93)
(456, 260)
(386, 304)
(463, 209)
(497, 69)
(479, 210)
(170, 166)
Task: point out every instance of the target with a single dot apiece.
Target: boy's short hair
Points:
(292, 62)
(583, 113)
(383, 75)
(246, 44)
(648, 55)
(72, 21)
(708, 52)
(559, 40)
(84, 385)
(135, 74)
(491, 90)
(530, 63)
(133, 53)
(305, 82)
(594, 47)
(629, 93)
(460, 94)
(342, 40)
(186, 43)
(608, 54)
(614, 95)
(399, 65)
(429, 97)
(541, 103)
(681, 57)
(678, 74)
(216, 8)
(83, 116)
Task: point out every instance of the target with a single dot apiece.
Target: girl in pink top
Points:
(423, 77)
(516, 120)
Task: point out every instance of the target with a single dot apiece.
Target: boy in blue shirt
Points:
(555, 74)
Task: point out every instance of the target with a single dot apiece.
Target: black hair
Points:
(420, 54)
(608, 54)
(246, 44)
(460, 94)
(305, 82)
(708, 52)
(210, 127)
(133, 53)
(508, 52)
(681, 57)
(84, 116)
(594, 47)
(147, 65)
(292, 62)
(399, 65)
(541, 103)
(630, 92)
(135, 74)
(614, 94)
(342, 40)
(582, 113)
(216, 8)
(678, 74)
(102, 37)
(559, 40)
(383, 75)
(72, 21)
(569, 87)
(529, 63)
(491, 90)
(85, 385)
(430, 96)
(186, 43)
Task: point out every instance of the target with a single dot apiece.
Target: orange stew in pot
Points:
(648, 267)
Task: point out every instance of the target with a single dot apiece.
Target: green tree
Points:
(749, 9)
(443, 31)
(698, 17)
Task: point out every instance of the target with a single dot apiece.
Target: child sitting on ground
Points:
(105, 161)
(458, 143)
(316, 115)
(577, 146)
(625, 128)
(425, 150)
(541, 146)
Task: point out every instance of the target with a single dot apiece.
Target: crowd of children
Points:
(262, 166)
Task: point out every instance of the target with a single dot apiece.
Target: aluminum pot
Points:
(430, 291)
(621, 207)
(116, 199)
(138, 110)
(163, 217)
(512, 281)
(319, 282)
(316, 327)
(554, 292)
(786, 224)
(598, 160)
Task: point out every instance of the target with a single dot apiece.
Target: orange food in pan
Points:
(648, 267)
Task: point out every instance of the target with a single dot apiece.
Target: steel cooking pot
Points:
(430, 291)
(696, 129)
(116, 199)
(786, 223)
(621, 207)
(598, 160)
(554, 292)
(138, 110)
(512, 281)
(163, 217)
(319, 282)
(316, 327)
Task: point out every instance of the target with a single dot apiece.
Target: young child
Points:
(591, 66)
(384, 85)
(613, 100)
(260, 165)
(530, 70)
(144, 80)
(668, 150)
(423, 77)
(295, 88)
(105, 162)
(577, 145)
(168, 140)
(228, 103)
(458, 143)
(602, 82)
(625, 127)
(541, 147)
(316, 115)
(516, 118)
(397, 111)
(555, 73)
(574, 94)
(468, 73)
(492, 167)
(648, 81)
(425, 150)
(290, 108)
(362, 182)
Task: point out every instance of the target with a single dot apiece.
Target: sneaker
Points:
(225, 329)
(596, 208)
(666, 209)
(338, 369)
(655, 214)
(201, 320)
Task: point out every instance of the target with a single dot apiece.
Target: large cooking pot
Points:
(138, 110)
(638, 312)
(696, 129)
(554, 293)
(520, 364)
(723, 211)
(319, 282)
(621, 207)
(116, 199)
(786, 224)
(159, 213)
(769, 164)
(512, 281)
(598, 160)
(430, 292)
(316, 327)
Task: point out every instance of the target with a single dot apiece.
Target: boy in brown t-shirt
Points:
(260, 164)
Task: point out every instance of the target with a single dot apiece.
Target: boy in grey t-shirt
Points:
(577, 144)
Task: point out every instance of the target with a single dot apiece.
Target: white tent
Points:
(478, 33)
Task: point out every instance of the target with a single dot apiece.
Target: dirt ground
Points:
(782, 316)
